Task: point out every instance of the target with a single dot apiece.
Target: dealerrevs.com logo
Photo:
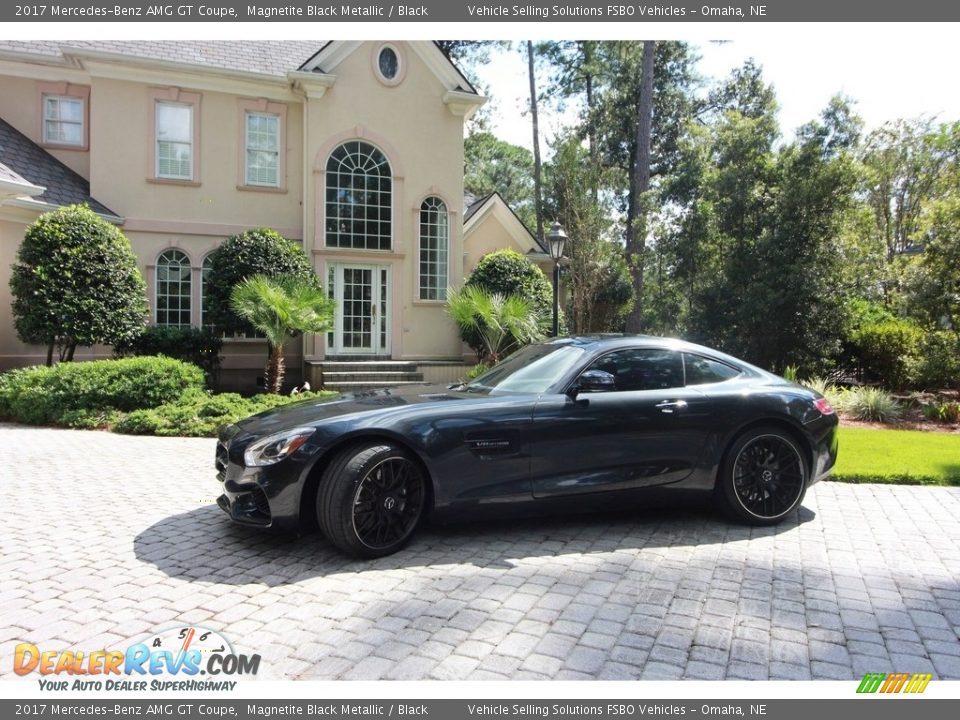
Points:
(168, 660)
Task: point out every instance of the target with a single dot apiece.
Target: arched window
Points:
(204, 275)
(434, 243)
(173, 289)
(359, 188)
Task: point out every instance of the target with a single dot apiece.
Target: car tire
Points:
(371, 499)
(763, 477)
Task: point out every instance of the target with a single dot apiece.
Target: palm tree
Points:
(281, 308)
(501, 321)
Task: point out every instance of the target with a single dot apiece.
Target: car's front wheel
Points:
(763, 477)
(371, 499)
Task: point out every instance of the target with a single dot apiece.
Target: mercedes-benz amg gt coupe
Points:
(571, 423)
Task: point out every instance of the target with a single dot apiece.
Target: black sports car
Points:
(573, 422)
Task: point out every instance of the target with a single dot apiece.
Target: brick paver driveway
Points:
(107, 537)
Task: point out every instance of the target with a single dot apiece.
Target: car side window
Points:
(701, 370)
(643, 369)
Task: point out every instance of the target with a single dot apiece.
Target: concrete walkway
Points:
(109, 537)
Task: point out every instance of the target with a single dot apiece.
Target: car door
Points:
(648, 429)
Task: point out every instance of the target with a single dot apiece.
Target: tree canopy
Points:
(76, 282)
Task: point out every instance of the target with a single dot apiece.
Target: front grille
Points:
(260, 501)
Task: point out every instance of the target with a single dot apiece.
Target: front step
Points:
(351, 376)
(359, 386)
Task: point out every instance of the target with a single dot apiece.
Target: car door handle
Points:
(669, 407)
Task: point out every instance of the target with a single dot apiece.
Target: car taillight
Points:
(823, 406)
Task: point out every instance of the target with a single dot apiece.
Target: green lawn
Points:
(906, 457)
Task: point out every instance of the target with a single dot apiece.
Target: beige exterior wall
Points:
(122, 179)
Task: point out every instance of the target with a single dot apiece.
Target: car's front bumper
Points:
(265, 497)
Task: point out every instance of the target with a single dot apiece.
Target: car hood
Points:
(311, 412)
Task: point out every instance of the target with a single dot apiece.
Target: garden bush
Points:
(887, 350)
(199, 414)
(201, 347)
(869, 404)
(41, 395)
(939, 411)
(938, 364)
(510, 273)
(261, 251)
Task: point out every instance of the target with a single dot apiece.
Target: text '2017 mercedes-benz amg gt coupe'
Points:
(570, 423)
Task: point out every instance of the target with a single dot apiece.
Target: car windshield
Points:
(532, 369)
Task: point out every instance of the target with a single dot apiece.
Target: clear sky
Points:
(890, 71)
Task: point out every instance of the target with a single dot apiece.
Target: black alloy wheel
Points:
(371, 499)
(388, 503)
(764, 477)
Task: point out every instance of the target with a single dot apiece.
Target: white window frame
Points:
(247, 149)
(190, 142)
(188, 282)
(342, 172)
(441, 265)
(81, 123)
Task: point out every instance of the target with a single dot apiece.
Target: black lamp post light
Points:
(556, 239)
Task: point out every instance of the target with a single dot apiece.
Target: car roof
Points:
(613, 341)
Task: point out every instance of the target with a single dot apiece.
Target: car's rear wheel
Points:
(371, 499)
(763, 477)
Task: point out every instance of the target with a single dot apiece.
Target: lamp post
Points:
(556, 239)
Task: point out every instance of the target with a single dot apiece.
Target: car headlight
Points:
(274, 448)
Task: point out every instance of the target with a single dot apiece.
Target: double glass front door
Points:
(362, 325)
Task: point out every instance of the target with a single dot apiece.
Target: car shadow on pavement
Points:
(204, 546)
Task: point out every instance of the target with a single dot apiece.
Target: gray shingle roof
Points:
(30, 162)
(472, 203)
(267, 57)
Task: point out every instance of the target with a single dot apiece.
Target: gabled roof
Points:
(22, 160)
(473, 205)
(328, 57)
(265, 57)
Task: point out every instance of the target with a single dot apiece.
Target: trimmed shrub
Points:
(199, 414)
(200, 347)
(510, 273)
(870, 404)
(40, 395)
(255, 252)
(76, 282)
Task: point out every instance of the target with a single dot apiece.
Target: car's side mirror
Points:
(592, 381)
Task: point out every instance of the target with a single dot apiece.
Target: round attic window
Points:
(388, 64)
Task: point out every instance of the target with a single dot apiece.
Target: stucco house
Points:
(353, 148)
